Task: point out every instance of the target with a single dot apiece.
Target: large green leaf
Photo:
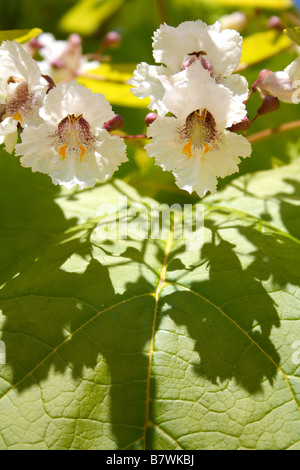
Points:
(146, 343)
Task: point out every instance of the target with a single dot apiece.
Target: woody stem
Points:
(274, 130)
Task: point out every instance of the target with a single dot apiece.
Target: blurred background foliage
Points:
(136, 21)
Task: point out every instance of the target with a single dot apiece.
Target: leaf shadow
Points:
(232, 326)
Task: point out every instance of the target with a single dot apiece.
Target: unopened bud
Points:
(277, 84)
(236, 20)
(150, 118)
(112, 40)
(274, 22)
(115, 123)
(244, 125)
(33, 46)
(261, 77)
(270, 104)
(74, 40)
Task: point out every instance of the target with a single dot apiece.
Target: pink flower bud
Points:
(150, 118)
(277, 84)
(74, 40)
(262, 75)
(274, 22)
(112, 39)
(117, 122)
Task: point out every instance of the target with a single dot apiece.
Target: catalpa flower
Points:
(194, 143)
(62, 60)
(70, 145)
(22, 90)
(217, 50)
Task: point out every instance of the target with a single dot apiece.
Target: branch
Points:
(275, 130)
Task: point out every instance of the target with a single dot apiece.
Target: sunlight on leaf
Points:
(112, 83)
(261, 46)
(88, 15)
(293, 34)
(20, 35)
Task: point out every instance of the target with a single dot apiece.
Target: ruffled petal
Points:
(71, 98)
(194, 89)
(172, 46)
(147, 80)
(70, 145)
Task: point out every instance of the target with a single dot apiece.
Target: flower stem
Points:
(162, 11)
(274, 130)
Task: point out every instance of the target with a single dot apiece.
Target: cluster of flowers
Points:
(193, 90)
(197, 99)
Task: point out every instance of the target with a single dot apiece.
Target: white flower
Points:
(194, 144)
(71, 145)
(22, 90)
(63, 60)
(218, 51)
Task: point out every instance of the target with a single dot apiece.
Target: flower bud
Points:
(33, 46)
(244, 125)
(117, 122)
(277, 84)
(270, 104)
(274, 22)
(112, 40)
(75, 40)
(150, 118)
(261, 76)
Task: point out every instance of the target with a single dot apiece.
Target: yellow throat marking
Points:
(72, 138)
(187, 148)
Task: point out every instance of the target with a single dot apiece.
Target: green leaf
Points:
(88, 15)
(261, 46)
(293, 34)
(149, 343)
(20, 35)
(111, 81)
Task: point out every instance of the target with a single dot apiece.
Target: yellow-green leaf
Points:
(261, 46)
(111, 81)
(293, 34)
(87, 15)
(20, 35)
(273, 4)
